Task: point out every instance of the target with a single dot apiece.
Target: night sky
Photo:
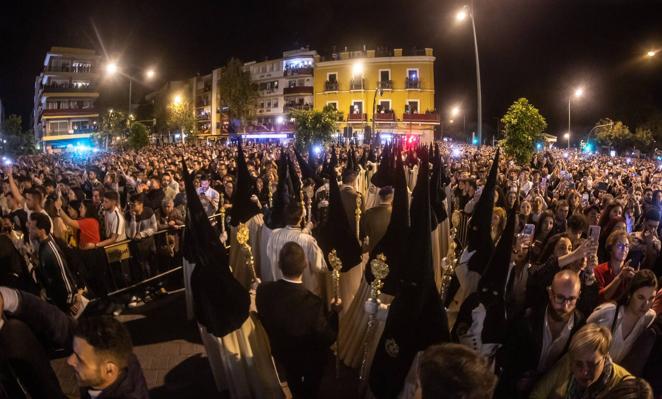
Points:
(539, 49)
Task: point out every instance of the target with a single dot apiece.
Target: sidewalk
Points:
(174, 361)
(169, 349)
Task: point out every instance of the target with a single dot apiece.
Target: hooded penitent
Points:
(416, 318)
(384, 175)
(242, 207)
(220, 302)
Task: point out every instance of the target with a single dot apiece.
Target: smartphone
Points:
(529, 230)
(585, 199)
(543, 182)
(636, 258)
(594, 232)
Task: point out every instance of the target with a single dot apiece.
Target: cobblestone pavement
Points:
(174, 361)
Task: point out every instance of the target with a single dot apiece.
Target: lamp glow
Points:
(462, 14)
(455, 111)
(177, 100)
(651, 53)
(566, 136)
(357, 69)
(149, 74)
(579, 92)
(111, 68)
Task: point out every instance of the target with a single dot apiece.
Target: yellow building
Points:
(398, 87)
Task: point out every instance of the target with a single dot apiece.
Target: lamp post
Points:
(455, 111)
(567, 137)
(112, 69)
(577, 94)
(468, 11)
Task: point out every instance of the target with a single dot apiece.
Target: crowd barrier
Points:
(103, 266)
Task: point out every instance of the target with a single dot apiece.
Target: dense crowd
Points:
(557, 297)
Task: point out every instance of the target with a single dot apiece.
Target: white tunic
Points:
(314, 274)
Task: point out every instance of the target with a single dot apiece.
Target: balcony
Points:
(388, 116)
(356, 84)
(298, 71)
(298, 90)
(62, 87)
(70, 69)
(357, 117)
(295, 106)
(428, 117)
(385, 84)
(330, 86)
(70, 111)
(412, 84)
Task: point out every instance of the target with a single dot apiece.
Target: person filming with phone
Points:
(645, 244)
(614, 275)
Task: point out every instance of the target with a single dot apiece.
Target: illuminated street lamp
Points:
(651, 53)
(112, 69)
(455, 112)
(357, 69)
(149, 74)
(463, 14)
(177, 99)
(579, 92)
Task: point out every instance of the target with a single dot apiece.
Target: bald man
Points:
(541, 338)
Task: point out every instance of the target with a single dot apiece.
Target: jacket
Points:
(54, 274)
(299, 331)
(131, 384)
(143, 225)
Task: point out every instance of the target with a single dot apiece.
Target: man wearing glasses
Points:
(542, 337)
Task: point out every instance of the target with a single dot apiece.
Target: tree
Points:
(180, 117)
(522, 126)
(113, 124)
(618, 136)
(238, 92)
(313, 127)
(17, 141)
(138, 137)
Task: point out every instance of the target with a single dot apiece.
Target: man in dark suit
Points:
(348, 196)
(541, 338)
(299, 330)
(376, 219)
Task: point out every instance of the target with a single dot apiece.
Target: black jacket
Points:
(299, 331)
(520, 355)
(54, 274)
(130, 385)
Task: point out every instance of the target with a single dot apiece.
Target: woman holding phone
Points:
(614, 275)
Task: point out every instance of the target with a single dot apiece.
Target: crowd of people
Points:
(444, 271)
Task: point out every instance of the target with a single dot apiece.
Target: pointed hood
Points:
(307, 171)
(243, 208)
(351, 161)
(281, 198)
(295, 180)
(479, 228)
(338, 234)
(371, 156)
(416, 318)
(437, 194)
(393, 243)
(492, 284)
(384, 175)
(364, 157)
(220, 302)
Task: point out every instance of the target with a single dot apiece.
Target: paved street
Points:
(173, 357)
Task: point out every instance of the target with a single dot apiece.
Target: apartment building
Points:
(392, 90)
(64, 112)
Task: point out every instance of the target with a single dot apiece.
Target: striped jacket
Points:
(54, 274)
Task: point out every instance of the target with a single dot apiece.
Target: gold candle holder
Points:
(242, 239)
(357, 215)
(380, 270)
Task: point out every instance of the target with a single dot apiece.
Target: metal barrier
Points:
(121, 251)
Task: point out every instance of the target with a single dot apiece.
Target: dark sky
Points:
(539, 49)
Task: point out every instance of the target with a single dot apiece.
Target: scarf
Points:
(592, 391)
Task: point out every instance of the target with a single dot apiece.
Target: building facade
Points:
(390, 91)
(65, 112)
(284, 84)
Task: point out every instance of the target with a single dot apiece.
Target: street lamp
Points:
(112, 69)
(357, 69)
(579, 92)
(455, 112)
(567, 137)
(462, 14)
(177, 99)
(651, 53)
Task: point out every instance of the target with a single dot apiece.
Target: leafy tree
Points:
(238, 92)
(138, 137)
(180, 117)
(522, 126)
(314, 127)
(617, 135)
(18, 141)
(113, 124)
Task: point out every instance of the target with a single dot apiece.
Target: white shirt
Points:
(115, 224)
(552, 349)
(316, 264)
(620, 346)
(10, 299)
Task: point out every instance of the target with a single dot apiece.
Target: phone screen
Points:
(529, 229)
(594, 232)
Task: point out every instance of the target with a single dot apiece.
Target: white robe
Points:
(468, 284)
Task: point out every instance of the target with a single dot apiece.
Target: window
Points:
(384, 75)
(411, 107)
(275, 104)
(357, 107)
(64, 104)
(332, 77)
(332, 104)
(384, 106)
(261, 104)
(80, 125)
(58, 127)
(268, 104)
(301, 82)
(412, 74)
